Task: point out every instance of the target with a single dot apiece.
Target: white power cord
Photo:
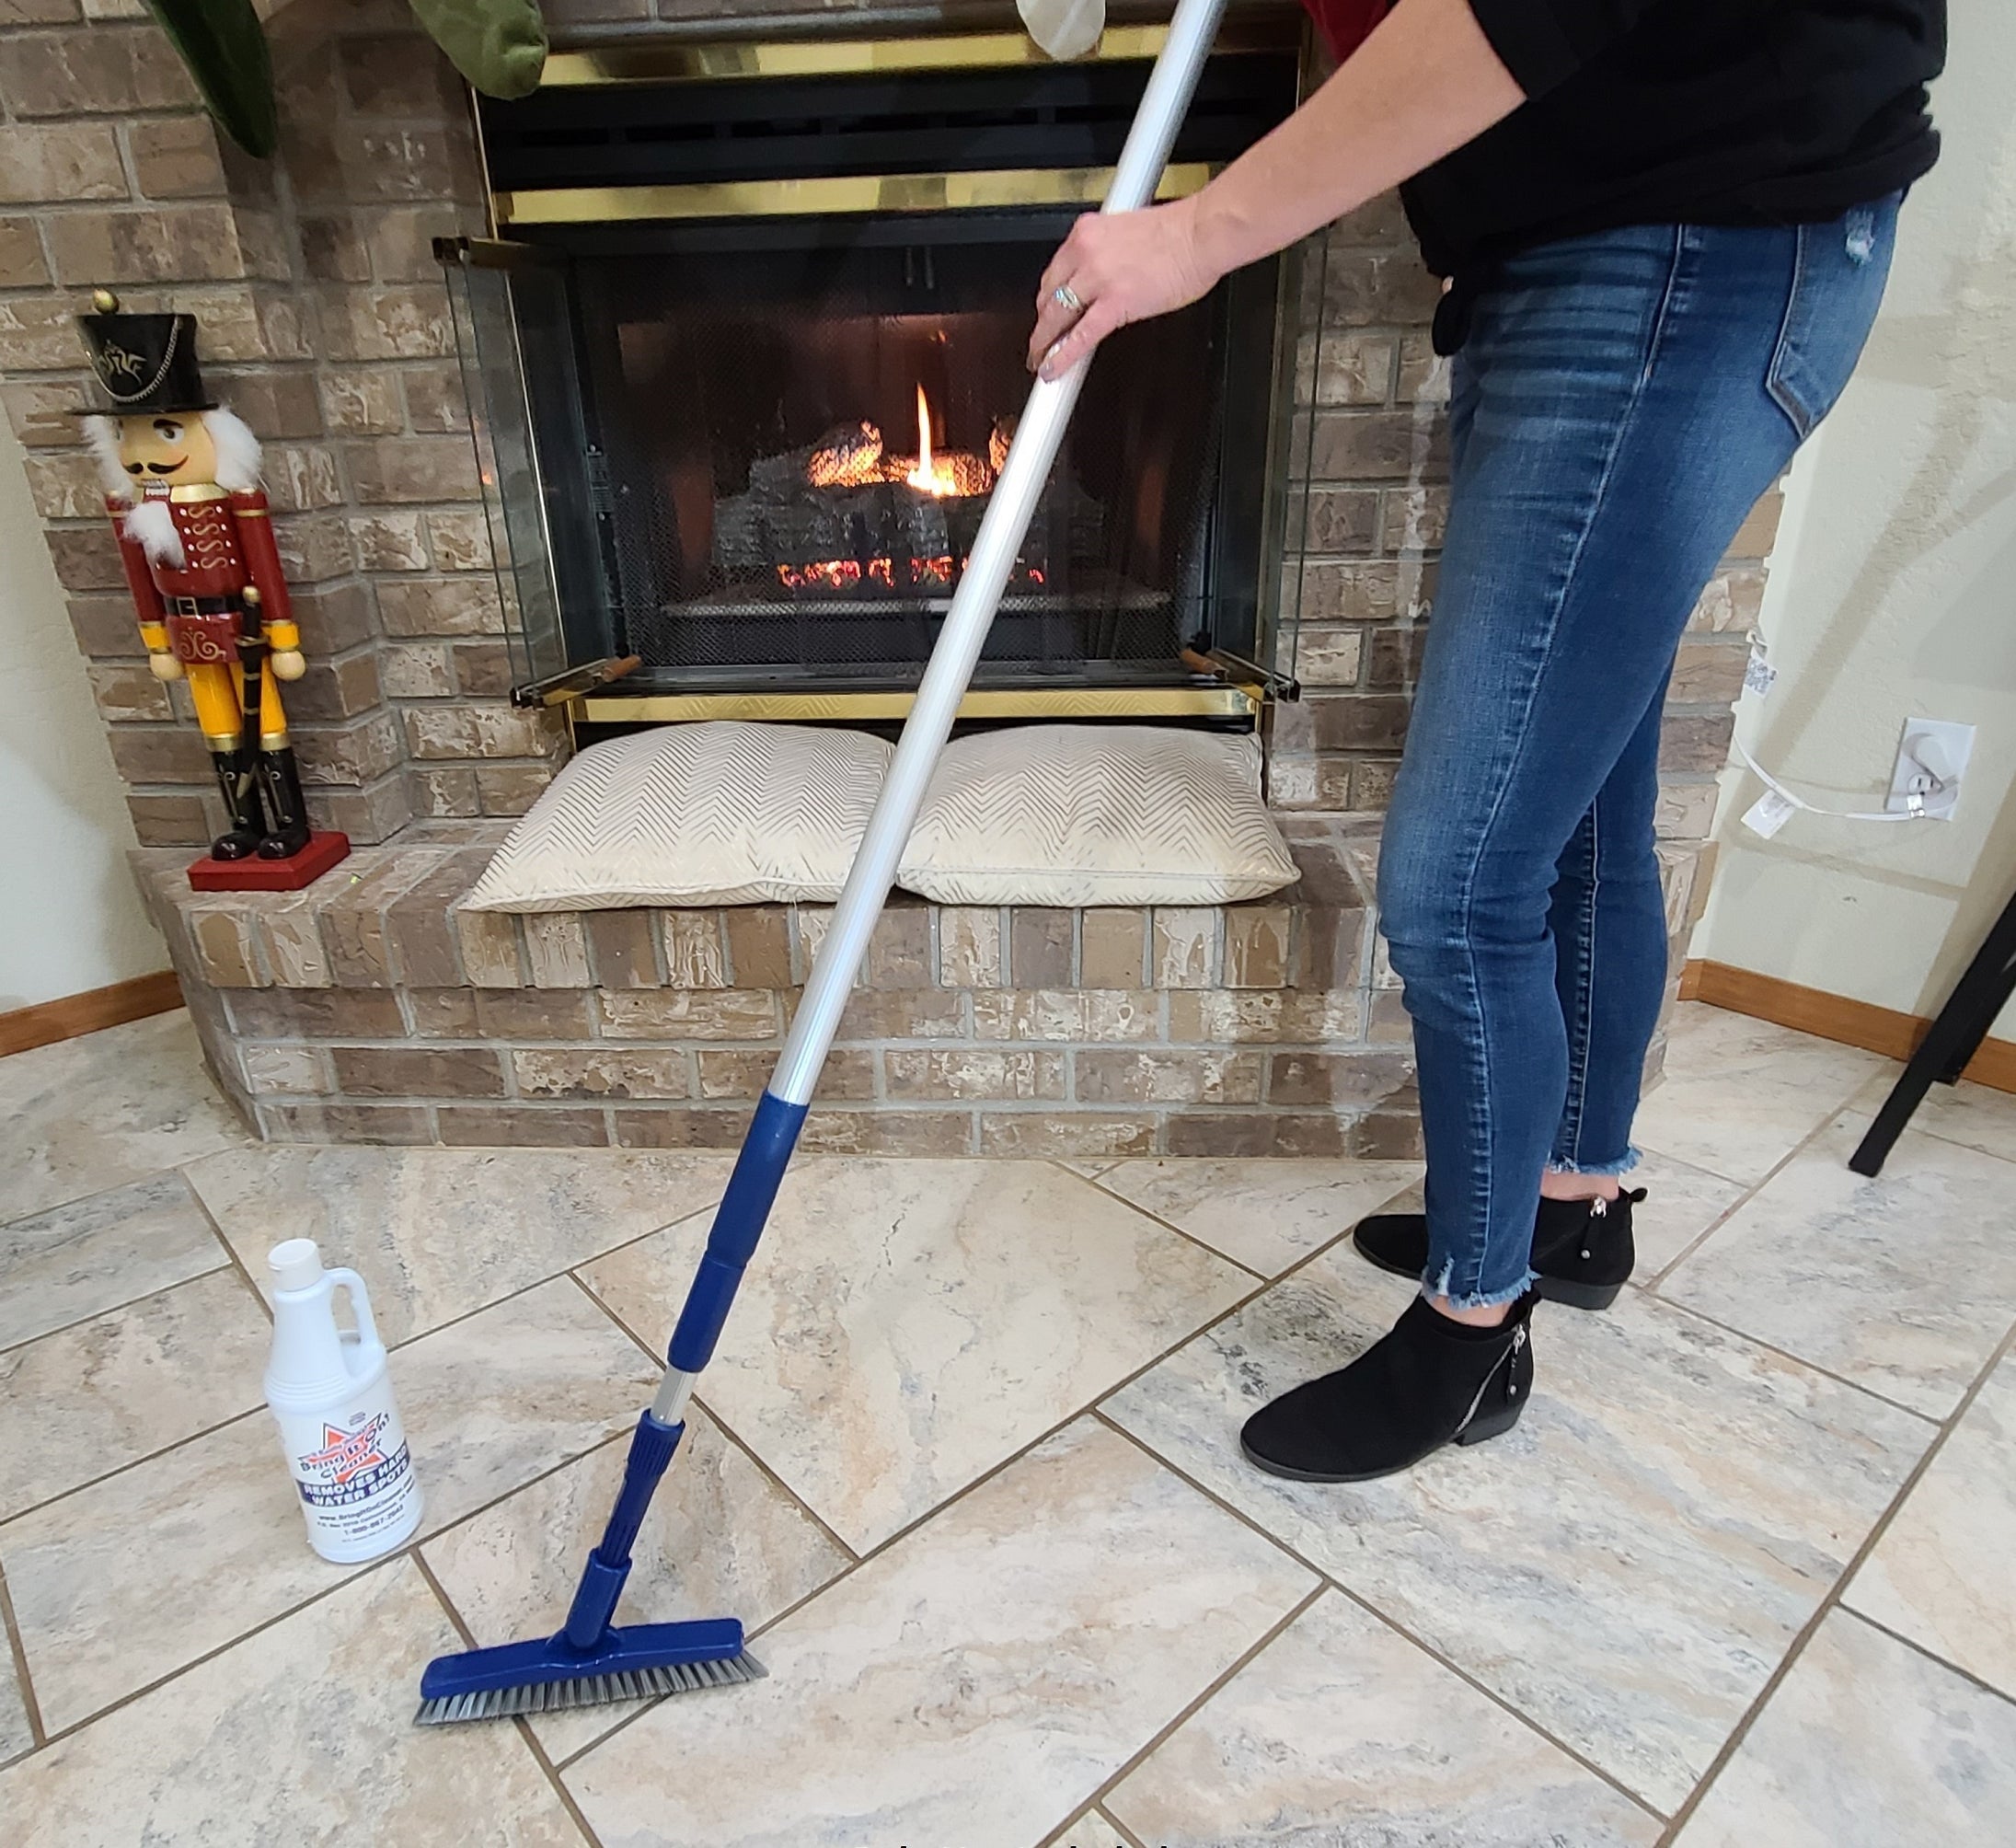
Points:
(1778, 804)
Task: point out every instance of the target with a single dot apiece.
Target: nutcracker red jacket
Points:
(224, 544)
(1656, 111)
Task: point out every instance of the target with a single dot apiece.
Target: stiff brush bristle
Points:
(589, 1690)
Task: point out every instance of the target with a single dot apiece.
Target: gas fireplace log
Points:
(755, 534)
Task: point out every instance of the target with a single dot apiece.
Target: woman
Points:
(1665, 226)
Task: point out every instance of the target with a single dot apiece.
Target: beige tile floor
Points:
(966, 1466)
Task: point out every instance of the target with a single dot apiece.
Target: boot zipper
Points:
(1600, 1209)
(1519, 1341)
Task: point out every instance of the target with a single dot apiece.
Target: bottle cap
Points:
(296, 1264)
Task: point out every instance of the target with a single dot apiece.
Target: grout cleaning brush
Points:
(592, 1659)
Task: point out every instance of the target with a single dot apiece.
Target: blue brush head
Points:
(631, 1663)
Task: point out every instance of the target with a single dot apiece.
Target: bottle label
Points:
(355, 1476)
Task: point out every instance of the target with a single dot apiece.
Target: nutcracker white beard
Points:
(237, 450)
(150, 523)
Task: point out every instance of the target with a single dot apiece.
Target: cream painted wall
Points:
(71, 918)
(1892, 594)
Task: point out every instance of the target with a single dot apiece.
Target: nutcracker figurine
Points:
(181, 484)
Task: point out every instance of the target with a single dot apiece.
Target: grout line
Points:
(113, 1309)
(1156, 1219)
(1915, 1128)
(181, 1669)
(1832, 1601)
(520, 1721)
(784, 1488)
(423, 1538)
(1089, 1408)
(132, 1464)
(230, 1251)
(38, 1735)
(550, 1276)
(1929, 1655)
(1752, 1189)
(1126, 1834)
(1239, 1663)
(1654, 1286)
(1392, 1624)
(126, 1468)
(1799, 1360)
(552, 1773)
(726, 1429)
(250, 1411)
(447, 1604)
(412, 1547)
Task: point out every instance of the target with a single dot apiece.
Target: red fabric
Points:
(262, 555)
(147, 604)
(1345, 23)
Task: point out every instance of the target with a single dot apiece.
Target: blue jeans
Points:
(1620, 402)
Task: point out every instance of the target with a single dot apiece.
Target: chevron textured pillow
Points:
(713, 814)
(1093, 814)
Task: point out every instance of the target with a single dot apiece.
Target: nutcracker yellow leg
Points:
(214, 689)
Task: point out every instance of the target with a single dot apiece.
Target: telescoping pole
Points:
(739, 1220)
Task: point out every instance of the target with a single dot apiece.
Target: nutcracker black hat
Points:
(145, 363)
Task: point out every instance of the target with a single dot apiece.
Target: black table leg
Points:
(1952, 1039)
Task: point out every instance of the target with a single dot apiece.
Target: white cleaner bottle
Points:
(331, 1392)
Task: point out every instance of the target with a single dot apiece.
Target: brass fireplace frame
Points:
(1231, 698)
(847, 193)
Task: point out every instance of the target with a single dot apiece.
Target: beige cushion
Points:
(713, 814)
(1094, 814)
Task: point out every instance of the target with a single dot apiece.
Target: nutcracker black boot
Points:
(1583, 1251)
(238, 780)
(1429, 1381)
(281, 779)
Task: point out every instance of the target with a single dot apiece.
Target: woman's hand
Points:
(1426, 81)
(1119, 267)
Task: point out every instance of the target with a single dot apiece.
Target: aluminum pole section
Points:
(1002, 529)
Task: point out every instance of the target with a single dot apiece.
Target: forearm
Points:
(1425, 82)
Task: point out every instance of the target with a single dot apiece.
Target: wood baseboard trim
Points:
(1889, 1031)
(47, 1021)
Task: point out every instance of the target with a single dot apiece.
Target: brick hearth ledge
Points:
(372, 1008)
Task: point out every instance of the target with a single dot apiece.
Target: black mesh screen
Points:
(760, 402)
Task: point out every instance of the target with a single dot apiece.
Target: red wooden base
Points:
(254, 875)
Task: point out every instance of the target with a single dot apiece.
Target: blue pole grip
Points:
(609, 1565)
(737, 1224)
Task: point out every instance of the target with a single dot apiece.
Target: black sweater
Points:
(1710, 111)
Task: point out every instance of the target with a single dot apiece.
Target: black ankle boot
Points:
(1582, 1249)
(1428, 1382)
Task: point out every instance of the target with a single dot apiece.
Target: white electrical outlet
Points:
(1930, 762)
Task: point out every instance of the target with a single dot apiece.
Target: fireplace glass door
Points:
(743, 426)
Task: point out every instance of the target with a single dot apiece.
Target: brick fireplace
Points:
(370, 1007)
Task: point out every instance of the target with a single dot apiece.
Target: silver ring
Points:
(1066, 298)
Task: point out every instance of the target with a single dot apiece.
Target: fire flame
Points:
(924, 476)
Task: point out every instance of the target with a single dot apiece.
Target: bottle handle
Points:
(359, 1305)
